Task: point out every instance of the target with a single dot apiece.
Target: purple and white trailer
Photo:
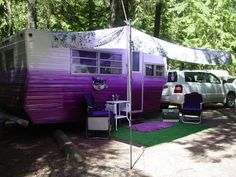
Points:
(44, 74)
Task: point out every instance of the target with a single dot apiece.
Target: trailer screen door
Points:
(137, 83)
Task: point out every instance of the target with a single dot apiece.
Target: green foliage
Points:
(143, 18)
(201, 24)
(192, 23)
(20, 18)
(3, 20)
(58, 15)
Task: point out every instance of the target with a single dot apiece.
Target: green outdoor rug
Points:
(157, 137)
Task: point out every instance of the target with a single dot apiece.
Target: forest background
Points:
(207, 24)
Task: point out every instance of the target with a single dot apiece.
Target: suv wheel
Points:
(230, 100)
(164, 106)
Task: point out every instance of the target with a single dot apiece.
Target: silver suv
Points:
(213, 90)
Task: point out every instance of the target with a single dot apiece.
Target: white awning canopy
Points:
(116, 38)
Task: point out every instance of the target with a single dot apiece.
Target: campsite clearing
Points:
(207, 153)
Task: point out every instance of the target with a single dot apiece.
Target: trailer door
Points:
(137, 83)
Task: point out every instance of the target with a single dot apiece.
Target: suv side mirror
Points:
(223, 81)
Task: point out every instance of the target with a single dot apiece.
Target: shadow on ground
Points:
(215, 144)
(33, 152)
(25, 152)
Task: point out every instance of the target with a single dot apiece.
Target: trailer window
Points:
(135, 61)
(1, 63)
(154, 70)
(9, 58)
(149, 70)
(110, 63)
(159, 70)
(96, 62)
(84, 62)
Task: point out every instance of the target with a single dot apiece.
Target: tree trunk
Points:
(32, 21)
(91, 6)
(126, 4)
(114, 10)
(157, 26)
(9, 18)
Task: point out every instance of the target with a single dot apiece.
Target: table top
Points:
(117, 101)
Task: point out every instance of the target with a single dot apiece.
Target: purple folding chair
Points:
(98, 120)
(192, 108)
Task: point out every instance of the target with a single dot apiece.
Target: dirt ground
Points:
(33, 152)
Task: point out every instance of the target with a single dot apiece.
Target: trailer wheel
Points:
(230, 100)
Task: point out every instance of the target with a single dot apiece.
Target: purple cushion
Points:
(99, 114)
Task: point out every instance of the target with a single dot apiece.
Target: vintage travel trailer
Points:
(44, 75)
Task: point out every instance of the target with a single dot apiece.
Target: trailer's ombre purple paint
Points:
(58, 96)
(53, 97)
(42, 89)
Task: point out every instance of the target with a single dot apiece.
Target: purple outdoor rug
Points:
(151, 126)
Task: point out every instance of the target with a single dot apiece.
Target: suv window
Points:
(200, 77)
(195, 77)
(172, 77)
(190, 76)
(212, 79)
(231, 80)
